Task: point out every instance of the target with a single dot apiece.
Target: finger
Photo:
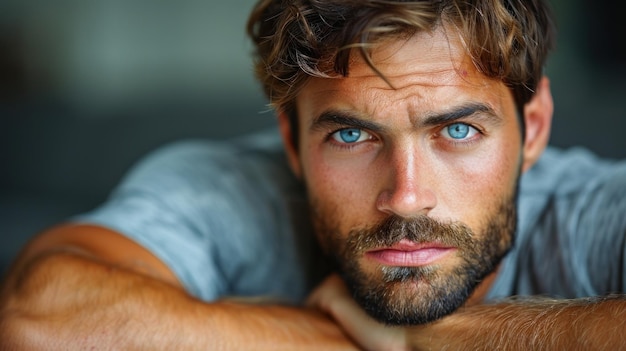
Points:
(331, 288)
(365, 330)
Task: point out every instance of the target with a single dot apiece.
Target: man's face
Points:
(412, 188)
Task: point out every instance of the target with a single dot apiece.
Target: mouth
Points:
(407, 253)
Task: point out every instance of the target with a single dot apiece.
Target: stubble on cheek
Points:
(326, 224)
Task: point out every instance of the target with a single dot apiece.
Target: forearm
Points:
(67, 301)
(534, 324)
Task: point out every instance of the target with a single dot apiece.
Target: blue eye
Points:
(459, 131)
(350, 135)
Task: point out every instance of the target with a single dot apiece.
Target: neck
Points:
(478, 296)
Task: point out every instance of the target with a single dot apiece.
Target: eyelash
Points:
(347, 146)
(456, 143)
(464, 142)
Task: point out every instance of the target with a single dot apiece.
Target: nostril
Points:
(406, 202)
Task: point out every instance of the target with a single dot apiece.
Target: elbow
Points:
(28, 313)
(18, 331)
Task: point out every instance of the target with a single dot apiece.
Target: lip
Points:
(410, 254)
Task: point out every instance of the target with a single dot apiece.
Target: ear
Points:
(538, 117)
(284, 124)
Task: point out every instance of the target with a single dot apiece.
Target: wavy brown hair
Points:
(507, 40)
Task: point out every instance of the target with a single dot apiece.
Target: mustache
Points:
(421, 229)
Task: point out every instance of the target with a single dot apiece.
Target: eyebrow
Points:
(333, 118)
(459, 112)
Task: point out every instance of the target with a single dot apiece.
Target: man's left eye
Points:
(350, 135)
(459, 131)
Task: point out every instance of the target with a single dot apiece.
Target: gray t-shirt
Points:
(571, 239)
(229, 219)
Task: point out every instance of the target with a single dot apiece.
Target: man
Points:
(409, 124)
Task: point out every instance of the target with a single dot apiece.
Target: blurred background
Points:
(88, 87)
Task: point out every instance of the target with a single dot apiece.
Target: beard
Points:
(397, 295)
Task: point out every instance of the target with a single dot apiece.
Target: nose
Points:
(408, 187)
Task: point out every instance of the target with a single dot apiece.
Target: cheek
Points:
(496, 177)
(481, 183)
(341, 187)
(473, 185)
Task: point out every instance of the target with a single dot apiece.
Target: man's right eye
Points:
(350, 135)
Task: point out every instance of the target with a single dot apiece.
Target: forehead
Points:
(425, 53)
(425, 70)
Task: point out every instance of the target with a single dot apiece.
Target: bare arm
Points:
(67, 292)
(529, 324)
(533, 324)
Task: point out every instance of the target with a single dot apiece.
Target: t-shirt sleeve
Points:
(163, 203)
(599, 222)
(571, 239)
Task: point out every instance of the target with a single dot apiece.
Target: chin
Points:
(412, 295)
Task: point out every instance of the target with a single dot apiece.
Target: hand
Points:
(332, 297)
